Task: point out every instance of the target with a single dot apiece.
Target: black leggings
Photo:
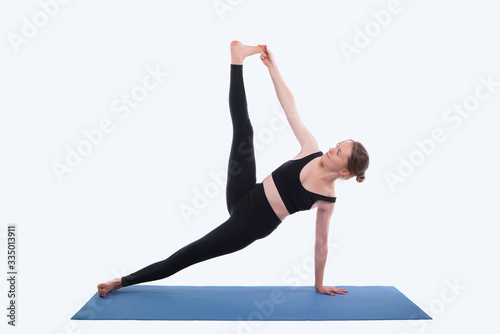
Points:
(251, 215)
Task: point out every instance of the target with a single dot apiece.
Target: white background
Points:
(120, 208)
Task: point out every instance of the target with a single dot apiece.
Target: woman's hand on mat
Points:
(330, 290)
(267, 57)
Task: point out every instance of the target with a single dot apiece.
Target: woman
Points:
(256, 209)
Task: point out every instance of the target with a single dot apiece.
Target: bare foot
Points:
(104, 288)
(239, 51)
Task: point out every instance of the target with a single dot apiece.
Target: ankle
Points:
(237, 60)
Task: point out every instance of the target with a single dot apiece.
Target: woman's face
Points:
(336, 158)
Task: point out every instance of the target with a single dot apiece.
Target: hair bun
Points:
(361, 177)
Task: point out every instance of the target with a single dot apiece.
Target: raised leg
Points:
(241, 166)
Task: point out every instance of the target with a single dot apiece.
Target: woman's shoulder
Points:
(306, 151)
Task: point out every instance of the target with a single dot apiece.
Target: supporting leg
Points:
(229, 237)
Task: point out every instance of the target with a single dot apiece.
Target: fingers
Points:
(333, 290)
(328, 291)
(265, 50)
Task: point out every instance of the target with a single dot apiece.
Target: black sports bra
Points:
(287, 179)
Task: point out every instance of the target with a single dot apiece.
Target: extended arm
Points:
(303, 135)
(323, 217)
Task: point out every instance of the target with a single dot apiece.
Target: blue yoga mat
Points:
(249, 303)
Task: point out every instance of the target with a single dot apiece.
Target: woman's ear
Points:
(344, 172)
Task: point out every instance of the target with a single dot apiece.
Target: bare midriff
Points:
(274, 198)
(308, 181)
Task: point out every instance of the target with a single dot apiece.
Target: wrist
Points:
(272, 67)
